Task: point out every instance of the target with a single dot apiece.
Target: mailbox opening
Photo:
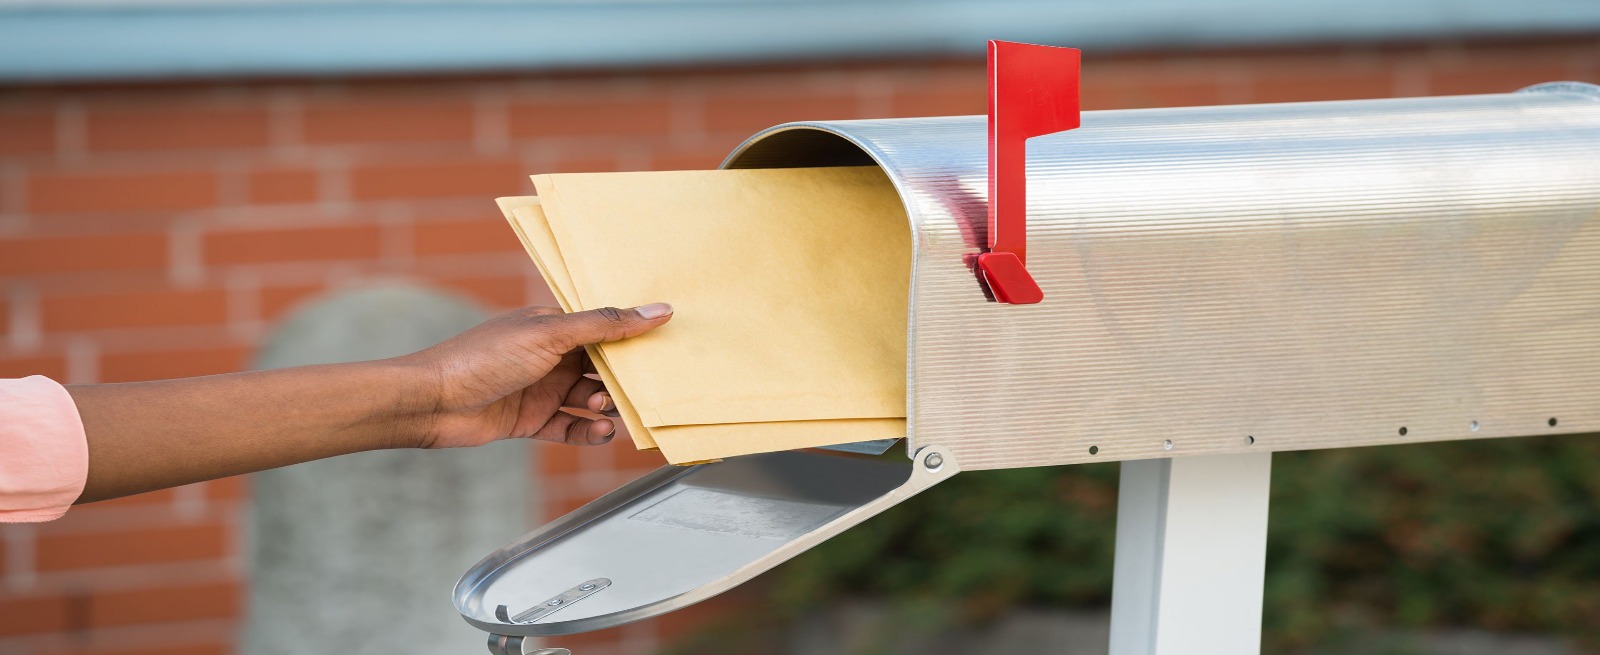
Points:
(799, 147)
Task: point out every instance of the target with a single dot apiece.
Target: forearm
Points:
(151, 435)
(509, 377)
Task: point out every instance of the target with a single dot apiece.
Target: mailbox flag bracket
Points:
(1033, 91)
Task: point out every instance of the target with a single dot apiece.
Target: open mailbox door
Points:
(1216, 284)
(710, 527)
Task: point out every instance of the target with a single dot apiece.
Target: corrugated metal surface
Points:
(1274, 277)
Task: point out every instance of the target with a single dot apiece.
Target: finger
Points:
(576, 431)
(568, 331)
(550, 393)
(579, 395)
(603, 403)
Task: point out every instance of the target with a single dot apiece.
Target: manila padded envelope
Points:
(692, 442)
(527, 220)
(790, 288)
(687, 444)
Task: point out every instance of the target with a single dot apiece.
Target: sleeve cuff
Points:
(44, 454)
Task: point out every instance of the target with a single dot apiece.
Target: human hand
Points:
(510, 376)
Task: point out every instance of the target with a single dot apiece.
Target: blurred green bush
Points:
(1502, 535)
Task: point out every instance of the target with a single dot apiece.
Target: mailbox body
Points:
(1227, 279)
(1216, 280)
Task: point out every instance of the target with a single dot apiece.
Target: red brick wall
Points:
(155, 231)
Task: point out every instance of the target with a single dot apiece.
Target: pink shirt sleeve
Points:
(44, 455)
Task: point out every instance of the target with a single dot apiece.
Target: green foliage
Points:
(1498, 534)
(991, 540)
(1494, 534)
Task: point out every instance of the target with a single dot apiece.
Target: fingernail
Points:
(605, 402)
(654, 311)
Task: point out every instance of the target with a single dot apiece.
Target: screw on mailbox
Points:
(933, 461)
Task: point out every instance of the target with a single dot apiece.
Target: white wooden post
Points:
(1191, 555)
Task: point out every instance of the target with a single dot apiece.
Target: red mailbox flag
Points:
(1033, 90)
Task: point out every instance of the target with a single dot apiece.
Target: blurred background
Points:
(190, 187)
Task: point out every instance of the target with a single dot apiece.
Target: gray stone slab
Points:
(357, 554)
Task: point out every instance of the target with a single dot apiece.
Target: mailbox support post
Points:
(1191, 555)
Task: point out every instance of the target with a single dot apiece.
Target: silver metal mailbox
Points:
(1218, 281)
(1278, 277)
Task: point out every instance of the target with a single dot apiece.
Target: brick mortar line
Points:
(285, 124)
(83, 361)
(504, 263)
(243, 307)
(72, 131)
(25, 332)
(117, 341)
(537, 291)
(396, 152)
(88, 520)
(1235, 86)
(133, 577)
(233, 180)
(190, 501)
(199, 632)
(1585, 66)
(333, 183)
(185, 261)
(20, 542)
(251, 218)
(112, 282)
(194, 159)
(1411, 78)
(13, 189)
(875, 95)
(687, 119)
(395, 243)
(293, 214)
(634, 158)
(491, 120)
(13, 226)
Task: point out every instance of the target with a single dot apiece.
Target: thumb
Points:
(568, 331)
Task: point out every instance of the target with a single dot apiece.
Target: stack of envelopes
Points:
(789, 290)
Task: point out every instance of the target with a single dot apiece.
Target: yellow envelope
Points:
(789, 285)
(789, 288)
(527, 219)
(683, 444)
